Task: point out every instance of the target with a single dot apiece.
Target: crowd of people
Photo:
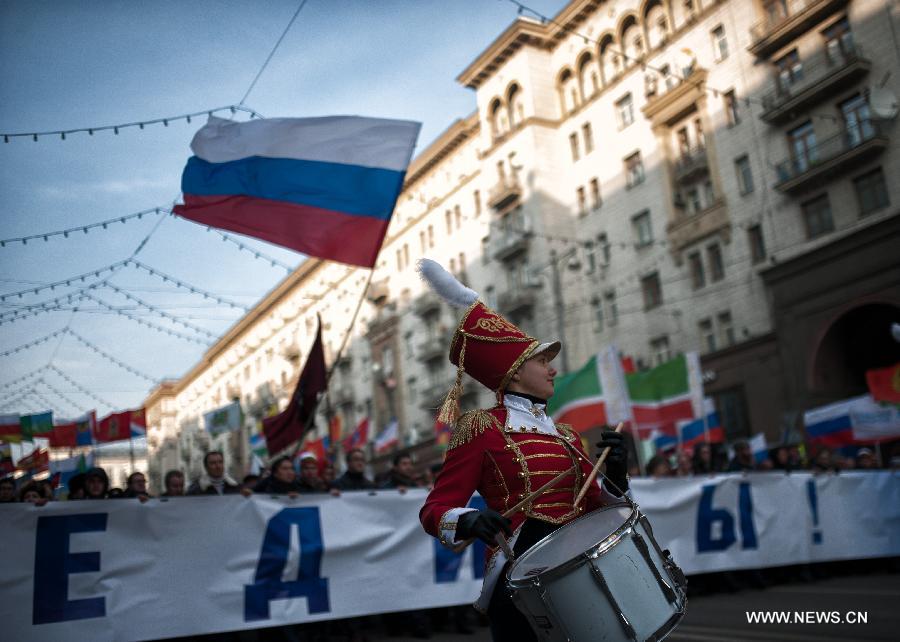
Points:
(711, 458)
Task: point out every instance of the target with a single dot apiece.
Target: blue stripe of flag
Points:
(822, 428)
(351, 189)
(696, 428)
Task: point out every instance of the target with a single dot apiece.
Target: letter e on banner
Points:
(53, 563)
(268, 585)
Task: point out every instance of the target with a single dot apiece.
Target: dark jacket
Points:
(396, 480)
(353, 481)
(273, 486)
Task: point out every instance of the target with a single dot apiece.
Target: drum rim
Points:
(580, 558)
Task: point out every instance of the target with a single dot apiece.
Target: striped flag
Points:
(663, 395)
(10, 428)
(358, 438)
(325, 187)
(37, 425)
(594, 395)
(387, 438)
(69, 433)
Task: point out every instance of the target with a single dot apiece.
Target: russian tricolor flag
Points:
(322, 186)
(697, 431)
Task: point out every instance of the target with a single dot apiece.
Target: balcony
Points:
(691, 228)
(435, 346)
(786, 20)
(427, 304)
(516, 300)
(674, 104)
(378, 292)
(840, 153)
(505, 193)
(509, 242)
(823, 76)
(691, 164)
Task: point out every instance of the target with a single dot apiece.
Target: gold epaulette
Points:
(566, 431)
(470, 425)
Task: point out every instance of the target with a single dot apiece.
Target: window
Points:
(684, 142)
(838, 41)
(871, 192)
(732, 408)
(716, 266)
(659, 350)
(485, 250)
(582, 201)
(612, 309)
(707, 335)
(430, 237)
(817, 216)
(709, 194)
(757, 244)
(790, 71)
(422, 242)
(399, 260)
(603, 244)
(634, 170)
(457, 216)
(802, 143)
(573, 145)
(448, 219)
(590, 254)
(652, 291)
(726, 328)
(597, 312)
(624, 111)
(643, 231)
(744, 174)
(693, 199)
(698, 277)
(596, 201)
(857, 120)
(698, 132)
(476, 195)
(731, 108)
(720, 44)
(588, 136)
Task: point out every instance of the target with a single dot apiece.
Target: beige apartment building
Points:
(665, 176)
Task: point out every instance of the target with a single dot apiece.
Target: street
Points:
(723, 616)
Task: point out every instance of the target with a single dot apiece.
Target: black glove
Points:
(483, 524)
(616, 461)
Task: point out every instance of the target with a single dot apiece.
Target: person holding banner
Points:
(507, 452)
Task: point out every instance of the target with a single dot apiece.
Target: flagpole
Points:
(330, 371)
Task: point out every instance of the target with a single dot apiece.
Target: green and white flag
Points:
(594, 395)
(225, 419)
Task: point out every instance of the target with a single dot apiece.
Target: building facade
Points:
(665, 176)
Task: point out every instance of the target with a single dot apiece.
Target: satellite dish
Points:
(883, 103)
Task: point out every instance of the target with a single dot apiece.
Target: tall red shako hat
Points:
(486, 346)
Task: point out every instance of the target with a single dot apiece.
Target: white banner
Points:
(122, 570)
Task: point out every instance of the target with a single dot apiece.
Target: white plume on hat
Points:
(445, 284)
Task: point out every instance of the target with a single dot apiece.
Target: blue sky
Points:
(69, 65)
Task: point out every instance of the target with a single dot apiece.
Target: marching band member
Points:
(508, 451)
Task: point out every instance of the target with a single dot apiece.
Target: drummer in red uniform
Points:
(508, 451)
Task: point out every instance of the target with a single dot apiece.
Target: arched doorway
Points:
(859, 340)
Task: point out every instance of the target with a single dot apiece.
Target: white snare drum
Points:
(599, 577)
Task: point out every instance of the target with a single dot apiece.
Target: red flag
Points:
(317, 448)
(288, 426)
(335, 428)
(884, 383)
(113, 427)
(358, 438)
(64, 435)
(36, 462)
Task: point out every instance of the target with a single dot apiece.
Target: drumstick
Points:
(460, 546)
(594, 472)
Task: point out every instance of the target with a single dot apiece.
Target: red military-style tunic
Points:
(505, 453)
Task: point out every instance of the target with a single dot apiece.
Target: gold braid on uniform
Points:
(566, 431)
(470, 425)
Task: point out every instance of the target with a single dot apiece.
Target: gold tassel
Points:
(449, 412)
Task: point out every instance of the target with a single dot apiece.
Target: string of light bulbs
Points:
(193, 289)
(67, 281)
(31, 344)
(95, 348)
(143, 322)
(140, 124)
(59, 393)
(256, 253)
(79, 387)
(84, 228)
(162, 313)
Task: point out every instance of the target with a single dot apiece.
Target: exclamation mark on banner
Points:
(814, 506)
